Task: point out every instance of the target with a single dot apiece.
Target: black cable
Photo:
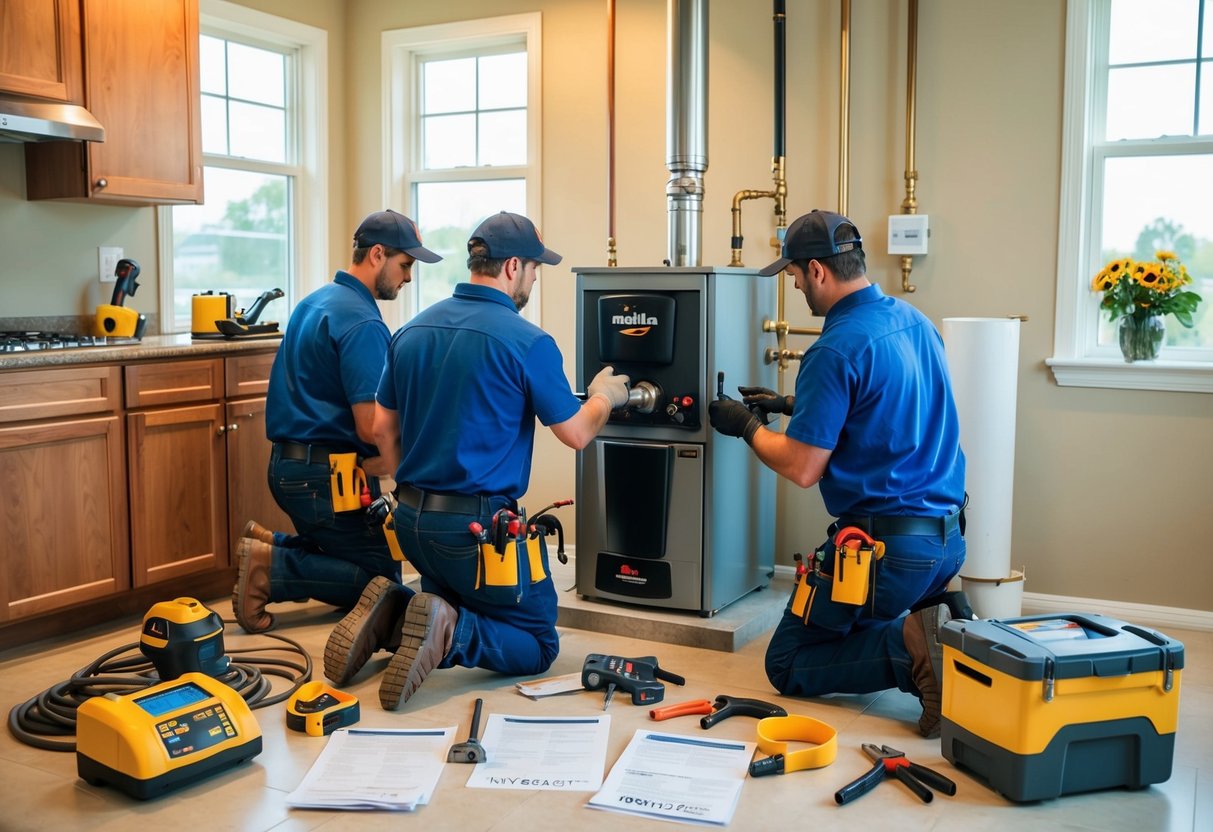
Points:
(52, 713)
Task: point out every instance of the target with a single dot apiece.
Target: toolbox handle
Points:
(975, 675)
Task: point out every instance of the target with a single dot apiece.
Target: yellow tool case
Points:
(1047, 705)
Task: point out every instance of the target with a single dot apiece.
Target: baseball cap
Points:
(512, 235)
(811, 237)
(394, 230)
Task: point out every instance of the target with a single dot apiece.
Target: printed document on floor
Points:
(551, 753)
(375, 769)
(676, 777)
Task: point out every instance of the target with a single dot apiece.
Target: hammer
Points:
(470, 751)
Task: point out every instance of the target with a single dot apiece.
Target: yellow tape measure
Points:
(318, 709)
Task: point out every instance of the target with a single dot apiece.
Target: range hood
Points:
(23, 120)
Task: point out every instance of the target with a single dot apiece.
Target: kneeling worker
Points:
(872, 420)
(455, 413)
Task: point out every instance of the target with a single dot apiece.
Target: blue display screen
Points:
(172, 699)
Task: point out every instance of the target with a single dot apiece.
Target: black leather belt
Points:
(444, 502)
(882, 526)
(307, 453)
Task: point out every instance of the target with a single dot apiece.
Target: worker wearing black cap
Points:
(464, 384)
(873, 421)
(321, 402)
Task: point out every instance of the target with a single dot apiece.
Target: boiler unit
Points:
(670, 513)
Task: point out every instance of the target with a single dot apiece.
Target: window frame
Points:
(1078, 360)
(402, 51)
(307, 254)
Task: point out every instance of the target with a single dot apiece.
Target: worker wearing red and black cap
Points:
(321, 402)
(874, 423)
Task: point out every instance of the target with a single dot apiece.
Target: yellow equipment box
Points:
(1047, 705)
(170, 735)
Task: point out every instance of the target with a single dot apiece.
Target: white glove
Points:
(609, 386)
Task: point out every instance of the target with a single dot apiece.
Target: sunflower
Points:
(1148, 274)
(1166, 255)
(1103, 282)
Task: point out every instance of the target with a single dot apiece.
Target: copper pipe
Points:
(844, 105)
(612, 261)
(909, 205)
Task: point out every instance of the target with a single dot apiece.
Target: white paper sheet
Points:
(676, 777)
(547, 753)
(375, 769)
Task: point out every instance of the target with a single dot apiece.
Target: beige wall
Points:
(1111, 486)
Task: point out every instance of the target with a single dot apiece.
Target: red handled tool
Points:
(893, 763)
(694, 706)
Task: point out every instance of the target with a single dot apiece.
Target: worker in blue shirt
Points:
(874, 422)
(464, 383)
(321, 403)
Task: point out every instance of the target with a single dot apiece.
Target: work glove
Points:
(732, 418)
(609, 386)
(763, 402)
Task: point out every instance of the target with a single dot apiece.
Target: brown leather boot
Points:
(426, 634)
(252, 590)
(257, 531)
(373, 624)
(921, 633)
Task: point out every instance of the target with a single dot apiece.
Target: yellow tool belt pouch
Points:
(346, 481)
(855, 555)
(503, 577)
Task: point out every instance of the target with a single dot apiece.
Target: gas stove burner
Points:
(33, 341)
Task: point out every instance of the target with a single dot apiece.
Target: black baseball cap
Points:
(509, 235)
(811, 237)
(394, 230)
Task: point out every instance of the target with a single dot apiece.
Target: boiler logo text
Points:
(638, 324)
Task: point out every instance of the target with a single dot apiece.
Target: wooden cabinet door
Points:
(40, 49)
(178, 492)
(142, 83)
(63, 518)
(248, 457)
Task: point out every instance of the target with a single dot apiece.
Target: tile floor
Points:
(39, 789)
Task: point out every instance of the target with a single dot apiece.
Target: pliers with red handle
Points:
(694, 706)
(893, 763)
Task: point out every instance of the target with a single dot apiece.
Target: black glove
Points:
(763, 401)
(732, 418)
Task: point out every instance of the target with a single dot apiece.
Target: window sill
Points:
(1170, 376)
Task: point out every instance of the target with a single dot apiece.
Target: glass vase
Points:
(1141, 338)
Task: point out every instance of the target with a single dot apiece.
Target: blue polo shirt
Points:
(468, 377)
(875, 389)
(331, 357)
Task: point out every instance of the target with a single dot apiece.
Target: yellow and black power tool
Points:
(113, 319)
(183, 636)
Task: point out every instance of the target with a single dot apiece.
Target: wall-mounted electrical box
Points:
(908, 234)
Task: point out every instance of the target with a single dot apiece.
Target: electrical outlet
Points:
(107, 262)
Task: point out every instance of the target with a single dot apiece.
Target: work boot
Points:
(921, 633)
(373, 624)
(257, 531)
(425, 638)
(252, 590)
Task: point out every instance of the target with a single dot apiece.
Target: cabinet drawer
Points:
(48, 394)
(174, 382)
(248, 375)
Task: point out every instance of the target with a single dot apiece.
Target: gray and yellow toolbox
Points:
(1047, 705)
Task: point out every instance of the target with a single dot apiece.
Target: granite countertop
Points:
(150, 348)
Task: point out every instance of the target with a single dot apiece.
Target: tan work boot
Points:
(373, 624)
(252, 590)
(425, 639)
(921, 633)
(257, 531)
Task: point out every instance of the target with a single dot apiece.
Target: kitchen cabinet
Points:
(141, 81)
(175, 461)
(248, 451)
(63, 526)
(41, 50)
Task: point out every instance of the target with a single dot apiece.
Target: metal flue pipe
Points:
(686, 127)
(612, 259)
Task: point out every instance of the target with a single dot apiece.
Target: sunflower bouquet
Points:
(1141, 290)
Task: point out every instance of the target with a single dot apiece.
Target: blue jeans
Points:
(844, 648)
(515, 638)
(333, 556)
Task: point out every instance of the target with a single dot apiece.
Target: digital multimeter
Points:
(171, 734)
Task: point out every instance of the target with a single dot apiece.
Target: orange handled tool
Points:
(695, 706)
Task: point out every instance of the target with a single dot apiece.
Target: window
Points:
(463, 138)
(1137, 169)
(263, 223)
